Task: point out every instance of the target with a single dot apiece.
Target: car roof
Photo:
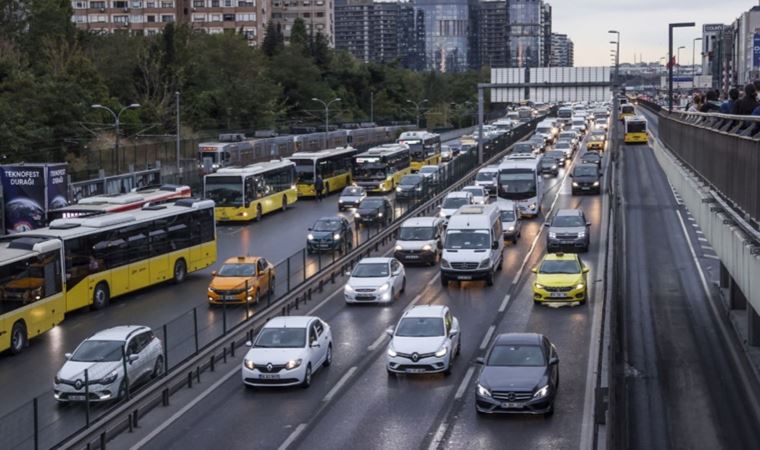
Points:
(420, 222)
(119, 333)
(429, 167)
(330, 218)
(518, 338)
(289, 322)
(375, 260)
(480, 188)
(426, 311)
(559, 256)
(242, 260)
(577, 166)
(568, 212)
(458, 194)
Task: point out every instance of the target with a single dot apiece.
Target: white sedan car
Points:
(287, 351)
(452, 202)
(375, 280)
(479, 194)
(426, 340)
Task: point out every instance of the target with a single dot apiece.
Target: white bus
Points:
(520, 180)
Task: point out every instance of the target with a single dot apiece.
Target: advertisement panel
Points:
(57, 186)
(756, 50)
(23, 197)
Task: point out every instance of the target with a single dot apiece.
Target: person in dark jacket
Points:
(745, 105)
(319, 186)
(727, 106)
(710, 103)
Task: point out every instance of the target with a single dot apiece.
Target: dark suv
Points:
(586, 178)
(374, 210)
(568, 230)
(330, 234)
(411, 187)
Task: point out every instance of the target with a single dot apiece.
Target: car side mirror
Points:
(534, 270)
(588, 224)
(133, 358)
(571, 175)
(308, 229)
(553, 360)
(67, 355)
(480, 360)
(389, 331)
(495, 245)
(315, 344)
(453, 334)
(585, 270)
(348, 273)
(213, 273)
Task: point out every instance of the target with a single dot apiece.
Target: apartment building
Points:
(318, 15)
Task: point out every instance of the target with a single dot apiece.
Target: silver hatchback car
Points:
(569, 230)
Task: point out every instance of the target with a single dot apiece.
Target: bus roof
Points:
(520, 164)
(254, 169)
(384, 150)
(635, 119)
(81, 226)
(18, 247)
(323, 153)
(419, 134)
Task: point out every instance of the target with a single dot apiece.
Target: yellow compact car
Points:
(560, 277)
(242, 279)
(597, 140)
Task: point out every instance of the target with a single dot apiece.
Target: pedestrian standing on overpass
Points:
(733, 96)
(745, 105)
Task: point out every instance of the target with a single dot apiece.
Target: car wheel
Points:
(101, 296)
(158, 367)
(256, 297)
(403, 285)
(444, 281)
(551, 410)
(19, 338)
(391, 373)
(180, 271)
(122, 390)
(328, 356)
(307, 377)
(447, 372)
(459, 345)
(489, 279)
(272, 286)
(514, 240)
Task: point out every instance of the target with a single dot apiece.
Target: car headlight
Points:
(380, 185)
(399, 248)
(336, 236)
(398, 189)
(538, 285)
(575, 184)
(392, 353)
(442, 352)
(482, 391)
(532, 206)
(292, 364)
(596, 183)
(383, 288)
(379, 214)
(581, 234)
(427, 248)
(356, 215)
(249, 364)
(541, 393)
(554, 166)
(348, 289)
(442, 214)
(580, 286)
(340, 200)
(444, 263)
(110, 378)
(210, 290)
(552, 235)
(483, 264)
(310, 237)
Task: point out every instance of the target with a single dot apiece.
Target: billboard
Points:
(756, 50)
(57, 186)
(23, 197)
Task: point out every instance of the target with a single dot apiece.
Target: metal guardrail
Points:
(722, 149)
(126, 414)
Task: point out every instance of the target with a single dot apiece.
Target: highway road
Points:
(683, 385)
(355, 404)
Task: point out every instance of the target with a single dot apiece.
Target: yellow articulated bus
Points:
(247, 193)
(626, 110)
(379, 169)
(87, 261)
(333, 165)
(636, 130)
(425, 148)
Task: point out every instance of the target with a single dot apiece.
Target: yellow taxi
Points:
(241, 279)
(560, 278)
(596, 140)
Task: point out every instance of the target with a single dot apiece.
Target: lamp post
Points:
(179, 168)
(670, 58)
(117, 124)
(693, 63)
(417, 106)
(617, 53)
(678, 59)
(327, 113)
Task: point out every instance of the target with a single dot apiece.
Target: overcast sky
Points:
(643, 25)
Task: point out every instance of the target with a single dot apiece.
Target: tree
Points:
(273, 40)
(298, 37)
(320, 50)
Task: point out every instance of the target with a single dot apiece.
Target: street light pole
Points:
(617, 54)
(372, 106)
(670, 58)
(327, 113)
(693, 63)
(417, 106)
(179, 167)
(117, 126)
(679, 58)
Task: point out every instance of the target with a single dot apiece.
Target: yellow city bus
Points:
(333, 165)
(635, 130)
(87, 261)
(246, 193)
(425, 148)
(380, 168)
(626, 110)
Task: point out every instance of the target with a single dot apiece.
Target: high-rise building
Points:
(526, 32)
(447, 34)
(491, 45)
(561, 51)
(148, 17)
(712, 52)
(318, 16)
(546, 33)
(381, 31)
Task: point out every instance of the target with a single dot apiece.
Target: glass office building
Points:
(447, 34)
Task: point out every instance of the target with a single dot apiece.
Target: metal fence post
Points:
(303, 257)
(87, 396)
(36, 424)
(224, 316)
(195, 328)
(166, 350)
(288, 280)
(124, 366)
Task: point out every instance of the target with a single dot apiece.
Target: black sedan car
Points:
(592, 158)
(559, 155)
(549, 166)
(330, 234)
(411, 187)
(374, 210)
(520, 374)
(586, 178)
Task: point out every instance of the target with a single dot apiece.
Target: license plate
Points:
(76, 397)
(365, 297)
(464, 277)
(228, 297)
(585, 188)
(270, 376)
(510, 405)
(412, 257)
(557, 295)
(415, 370)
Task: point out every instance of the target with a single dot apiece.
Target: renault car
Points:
(425, 340)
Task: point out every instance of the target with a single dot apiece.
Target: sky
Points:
(643, 26)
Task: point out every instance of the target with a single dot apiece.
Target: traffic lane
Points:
(276, 412)
(568, 327)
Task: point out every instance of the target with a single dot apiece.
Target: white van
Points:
(486, 178)
(473, 246)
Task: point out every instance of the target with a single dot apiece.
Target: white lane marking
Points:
(504, 303)
(377, 342)
(691, 219)
(698, 231)
(465, 382)
(487, 337)
(322, 303)
(293, 436)
(702, 277)
(715, 257)
(166, 424)
(438, 437)
(339, 384)
(701, 239)
(434, 279)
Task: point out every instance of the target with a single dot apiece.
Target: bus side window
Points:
(203, 220)
(52, 261)
(250, 190)
(80, 259)
(179, 233)
(261, 187)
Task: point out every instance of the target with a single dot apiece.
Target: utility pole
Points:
(417, 106)
(179, 167)
(117, 127)
(327, 113)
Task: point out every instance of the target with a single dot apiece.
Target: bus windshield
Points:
(304, 170)
(415, 147)
(636, 127)
(225, 191)
(369, 172)
(517, 185)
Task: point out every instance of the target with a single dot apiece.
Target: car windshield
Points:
(98, 351)
(567, 135)
(508, 216)
(568, 221)
(585, 171)
(352, 191)
(523, 147)
(555, 154)
(371, 270)
(327, 225)
(416, 233)
(516, 355)
(548, 161)
(410, 180)
(237, 270)
(428, 170)
(281, 338)
(562, 144)
(372, 203)
(476, 192)
(560, 266)
(590, 156)
(454, 202)
(468, 240)
(420, 327)
(485, 176)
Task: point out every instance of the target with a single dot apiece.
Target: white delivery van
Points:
(472, 249)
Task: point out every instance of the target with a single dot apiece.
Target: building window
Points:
(167, 4)
(227, 3)
(320, 14)
(136, 19)
(199, 17)
(243, 4)
(306, 15)
(150, 18)
(151, 32)
(215, 31)
(214, 3)
(250, 17)
(120, 19)
(320, 2)
(97, 5)
(198, 3)
(150, 4)
(79, 5)
(167, 18)
(120, 4)
(216, 17)
(228, 17)
(306, 2)
(136, 4)
(79, 19)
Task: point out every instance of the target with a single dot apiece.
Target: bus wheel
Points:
(284, 203)
(101, 296)
(180, 271)
(19, 339)
(258, 213)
